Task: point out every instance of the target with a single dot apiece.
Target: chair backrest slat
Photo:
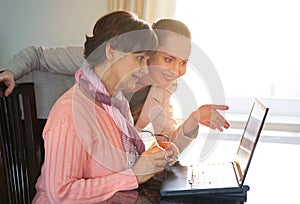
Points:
(20, 143)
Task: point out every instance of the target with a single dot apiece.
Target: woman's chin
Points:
(165, 85)
(131, 86)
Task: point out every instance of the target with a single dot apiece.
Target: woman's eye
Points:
(168, 59)
(183, 63)
(141, 58)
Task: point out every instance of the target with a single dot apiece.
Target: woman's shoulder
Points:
(64, 101)
(61, 109)
(162, 94)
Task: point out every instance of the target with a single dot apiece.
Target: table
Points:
(273, 175)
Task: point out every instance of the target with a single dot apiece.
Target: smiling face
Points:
(165, 68)
(170, 61)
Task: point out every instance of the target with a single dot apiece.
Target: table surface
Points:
(273, 175)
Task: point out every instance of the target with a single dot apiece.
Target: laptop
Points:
(219, 179)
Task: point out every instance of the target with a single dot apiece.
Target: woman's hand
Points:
(209, 116)
(172, 151)
(150, 163)
(7, 77)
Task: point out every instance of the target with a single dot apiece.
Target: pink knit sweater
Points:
(84, 155)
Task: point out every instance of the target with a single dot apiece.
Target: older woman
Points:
(92, 149)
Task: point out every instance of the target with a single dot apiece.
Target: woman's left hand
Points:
(7, 77)
(209, 116)
(172, 151)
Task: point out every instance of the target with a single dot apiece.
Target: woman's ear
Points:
(110, 52)
(113, 54)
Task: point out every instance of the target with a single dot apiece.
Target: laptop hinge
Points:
(238, 172)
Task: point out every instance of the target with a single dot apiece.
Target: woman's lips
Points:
(168, 77)
(136, 77)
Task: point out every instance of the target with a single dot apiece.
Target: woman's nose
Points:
(144, 69)
(175, 68)
(178, 69)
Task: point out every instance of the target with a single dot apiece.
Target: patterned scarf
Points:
(117, 108)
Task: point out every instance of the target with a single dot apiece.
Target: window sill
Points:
(273, 123)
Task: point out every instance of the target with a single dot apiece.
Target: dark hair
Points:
(171, 25)
(124, 31)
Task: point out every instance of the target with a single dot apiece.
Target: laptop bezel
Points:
(236, 165)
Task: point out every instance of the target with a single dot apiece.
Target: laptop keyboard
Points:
(210, 175)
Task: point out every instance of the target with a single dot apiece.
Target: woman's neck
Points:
(143, 82)
(104, 74)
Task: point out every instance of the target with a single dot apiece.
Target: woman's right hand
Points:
(7, 77)
(150, 163)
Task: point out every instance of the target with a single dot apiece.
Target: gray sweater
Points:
(51, 69)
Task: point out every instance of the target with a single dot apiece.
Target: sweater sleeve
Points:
(61, 60)
(64, 172)
(170, 127)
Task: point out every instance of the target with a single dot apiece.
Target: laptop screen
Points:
(250, 137)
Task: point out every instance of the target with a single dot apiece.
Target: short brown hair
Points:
(119, 28)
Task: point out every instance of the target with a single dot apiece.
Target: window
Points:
(255, 48)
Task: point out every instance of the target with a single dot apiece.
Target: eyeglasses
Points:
(164, 143)
(157, 134)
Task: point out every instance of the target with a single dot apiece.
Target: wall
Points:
(47, 23)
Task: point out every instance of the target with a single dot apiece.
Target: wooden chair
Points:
(20, 145)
